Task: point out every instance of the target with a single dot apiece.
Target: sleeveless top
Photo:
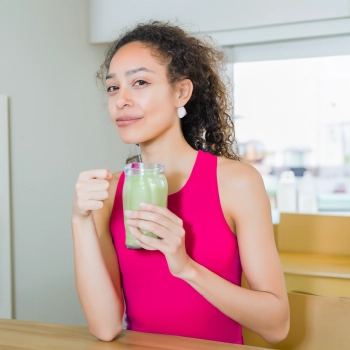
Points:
(156, 301)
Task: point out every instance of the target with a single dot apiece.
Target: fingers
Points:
(91, 190)
(145, 241)
(160, 215)
(92, 185)
(173, 236)
(144, 246)
(160, 221)
(95, 174)
(92, 195)
(137, 233)
(151, 216)
(162, 211)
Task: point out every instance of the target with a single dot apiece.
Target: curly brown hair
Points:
(208, 125)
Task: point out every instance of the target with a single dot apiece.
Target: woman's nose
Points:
(124, 97)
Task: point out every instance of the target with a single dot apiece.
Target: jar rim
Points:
(138, 167)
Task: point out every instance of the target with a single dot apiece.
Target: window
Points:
(292, 112)
(295, 113)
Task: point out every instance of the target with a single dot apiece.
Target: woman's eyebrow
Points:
(130, 72)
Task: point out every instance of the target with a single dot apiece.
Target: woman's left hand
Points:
(168, 227)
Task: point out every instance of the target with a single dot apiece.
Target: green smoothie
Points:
(144, 182)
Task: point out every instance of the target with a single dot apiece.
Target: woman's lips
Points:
(127, 122)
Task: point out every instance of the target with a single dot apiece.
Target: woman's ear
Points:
(184, 92)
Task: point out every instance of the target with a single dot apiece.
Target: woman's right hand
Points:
(90, 192)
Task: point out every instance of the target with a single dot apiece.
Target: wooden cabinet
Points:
(315, 253)
(316, 323)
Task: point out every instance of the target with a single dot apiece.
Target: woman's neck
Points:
(178, 159)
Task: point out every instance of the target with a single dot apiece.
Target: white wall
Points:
(314, 47)
(59, 126)
(229, 22)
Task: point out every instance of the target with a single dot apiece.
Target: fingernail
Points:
(143, 205)
(127, 212)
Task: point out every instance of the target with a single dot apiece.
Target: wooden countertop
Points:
(25, 335)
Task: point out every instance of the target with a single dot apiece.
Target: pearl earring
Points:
(181, 112)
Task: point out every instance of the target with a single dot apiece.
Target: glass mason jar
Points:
(144, 182)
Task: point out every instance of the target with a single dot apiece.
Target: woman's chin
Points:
(130, 140)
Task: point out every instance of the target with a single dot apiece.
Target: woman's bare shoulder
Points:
(243, 190)
(237, 172)
(240, 183)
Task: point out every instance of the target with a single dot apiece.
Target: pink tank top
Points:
(157, 302)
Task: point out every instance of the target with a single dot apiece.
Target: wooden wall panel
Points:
(314, 234)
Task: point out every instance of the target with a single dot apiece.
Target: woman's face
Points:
(138, 87)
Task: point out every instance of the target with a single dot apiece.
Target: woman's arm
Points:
(264, 308)
(97, 273)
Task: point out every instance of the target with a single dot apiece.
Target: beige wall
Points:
(59, 126)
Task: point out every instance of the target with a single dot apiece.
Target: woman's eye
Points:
(140, 82)
(112, 88)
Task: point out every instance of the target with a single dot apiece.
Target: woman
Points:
(218, 219)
